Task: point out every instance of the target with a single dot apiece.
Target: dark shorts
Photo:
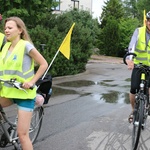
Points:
(25, 104)
(135, 80)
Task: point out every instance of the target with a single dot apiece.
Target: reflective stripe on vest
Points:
(142, 49)
(15, 72)
(1, 39)
(12, 67)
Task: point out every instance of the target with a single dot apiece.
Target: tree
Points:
(131, 9)
(126, 28)
(32, 11)
(142, 5)
(112, 13)
(135, 8)
(50, 29)
(82, 40)
(111, 8)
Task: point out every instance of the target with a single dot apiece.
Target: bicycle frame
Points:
(144, 84)
(9, 134)
(140, 109)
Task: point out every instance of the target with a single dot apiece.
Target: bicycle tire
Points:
(36, 123)
(137, 124)
(145, 112)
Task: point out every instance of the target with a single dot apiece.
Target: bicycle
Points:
(141, 106)
(8, 128)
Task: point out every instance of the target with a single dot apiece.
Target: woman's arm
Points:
(40, 60)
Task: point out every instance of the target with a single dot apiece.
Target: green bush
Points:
(52, 32)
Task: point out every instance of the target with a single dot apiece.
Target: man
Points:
(2, 36)
(140, 45)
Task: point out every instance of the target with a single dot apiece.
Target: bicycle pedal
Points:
(143, 126)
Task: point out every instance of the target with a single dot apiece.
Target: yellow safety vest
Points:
(12, 67)
(142, 49)
(1, 39)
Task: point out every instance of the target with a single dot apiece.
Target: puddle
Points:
(108, 85)
(111, 97)
(78, 83)
(115, 97)
(108, 80)
(128, 79)
(126, 86)
(105, 83)
(60, 91)
(83, 83)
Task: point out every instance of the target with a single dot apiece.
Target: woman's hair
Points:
(20, 24)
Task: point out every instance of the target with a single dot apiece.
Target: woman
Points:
(17, 61)
(2, 36)
(2, 40)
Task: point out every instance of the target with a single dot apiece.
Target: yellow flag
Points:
(144, 18)
(65, 45)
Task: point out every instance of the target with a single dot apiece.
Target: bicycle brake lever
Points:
(18, 86)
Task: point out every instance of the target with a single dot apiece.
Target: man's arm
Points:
(131, 49)
(133, 41)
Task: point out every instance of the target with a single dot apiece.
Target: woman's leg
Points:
(5, 102)
(24, 118)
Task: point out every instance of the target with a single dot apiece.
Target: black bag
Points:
(45, 87)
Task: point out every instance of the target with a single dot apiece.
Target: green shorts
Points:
(25, 104)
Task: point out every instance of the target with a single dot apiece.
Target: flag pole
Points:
(144, 17)
(65, 45)
(50, 65)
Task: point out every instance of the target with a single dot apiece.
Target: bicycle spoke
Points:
(36, 123)
(137, 125)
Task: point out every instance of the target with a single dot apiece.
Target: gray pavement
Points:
(89, 111)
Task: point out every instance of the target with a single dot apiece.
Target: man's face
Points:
(148, 24)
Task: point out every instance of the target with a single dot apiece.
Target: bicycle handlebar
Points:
(16, 84)
(140, 65)
(128, 54)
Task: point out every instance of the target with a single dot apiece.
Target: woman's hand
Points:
(27, 85)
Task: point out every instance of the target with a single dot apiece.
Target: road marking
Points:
(107, 141)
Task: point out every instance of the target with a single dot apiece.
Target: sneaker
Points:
(143, 126)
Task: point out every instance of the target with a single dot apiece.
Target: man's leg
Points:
(132, 100)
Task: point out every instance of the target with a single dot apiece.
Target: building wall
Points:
(82, 4)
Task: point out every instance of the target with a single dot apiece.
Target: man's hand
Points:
(130, 64)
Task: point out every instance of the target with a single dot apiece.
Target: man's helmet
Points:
(148, 15)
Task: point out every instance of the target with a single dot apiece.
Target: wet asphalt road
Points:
(89, 111)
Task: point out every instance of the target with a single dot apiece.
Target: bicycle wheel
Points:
(145, 112)
(36, 123)
(137, 124)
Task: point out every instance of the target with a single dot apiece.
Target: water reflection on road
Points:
(111, 96)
